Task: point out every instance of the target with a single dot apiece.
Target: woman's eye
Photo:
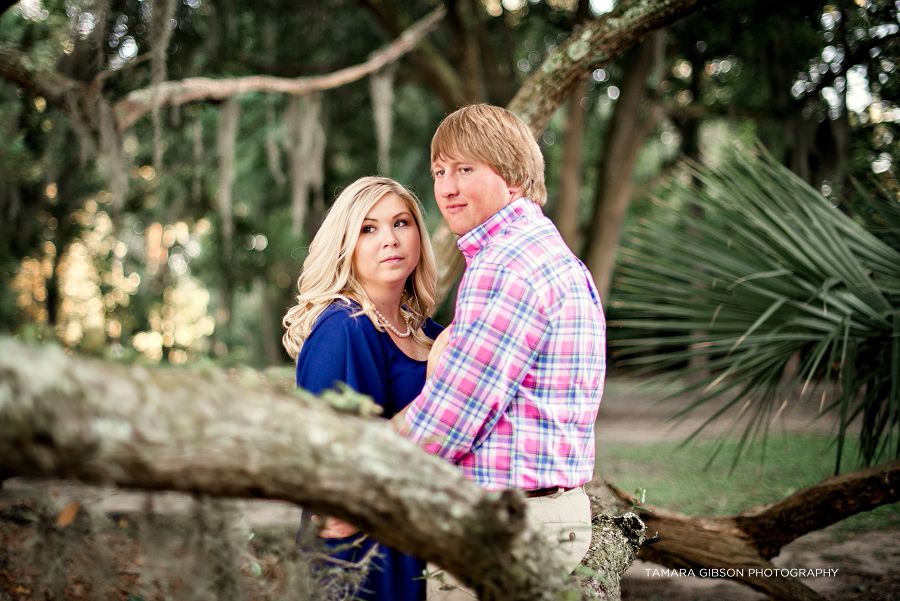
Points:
(401, 223)
(367, 229)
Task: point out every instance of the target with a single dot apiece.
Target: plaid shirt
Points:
(515, 395)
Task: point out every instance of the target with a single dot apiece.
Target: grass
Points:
(678, 478)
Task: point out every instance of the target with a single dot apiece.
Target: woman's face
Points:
(387, 250)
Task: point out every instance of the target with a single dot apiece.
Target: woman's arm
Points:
(440, 343)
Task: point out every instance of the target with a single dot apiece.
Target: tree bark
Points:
(235, 436)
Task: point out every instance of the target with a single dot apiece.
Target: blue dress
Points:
(342, 348)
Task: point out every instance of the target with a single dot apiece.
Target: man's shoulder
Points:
(527, 244)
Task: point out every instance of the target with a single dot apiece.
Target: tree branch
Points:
(437, 70)
(21, 69)
(138, 102)
(775, 525)
(236, 436)
(591, 46)
(750, 539)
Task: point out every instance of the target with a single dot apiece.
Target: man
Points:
(514, 395)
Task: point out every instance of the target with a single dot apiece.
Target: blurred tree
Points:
(633, 118)
(175, 162)
(228, 166)
(742, 70)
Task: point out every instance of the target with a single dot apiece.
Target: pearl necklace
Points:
(391, 326)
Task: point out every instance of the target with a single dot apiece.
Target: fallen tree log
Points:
(747, 541)
(238, 436)
(208, 433)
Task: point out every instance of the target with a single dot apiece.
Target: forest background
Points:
(186, 245)
(156, 201)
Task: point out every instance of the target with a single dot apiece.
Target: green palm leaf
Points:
(771, 273)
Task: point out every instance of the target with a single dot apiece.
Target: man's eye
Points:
(439, 173)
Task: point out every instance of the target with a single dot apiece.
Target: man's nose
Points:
(445, 186)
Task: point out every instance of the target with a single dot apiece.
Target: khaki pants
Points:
(566, 520)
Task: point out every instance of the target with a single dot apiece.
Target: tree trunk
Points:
(566, 213)
(631, 122)
(235, 436)
(269, 331)
(464, 20)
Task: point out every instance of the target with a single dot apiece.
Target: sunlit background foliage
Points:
(163, 272)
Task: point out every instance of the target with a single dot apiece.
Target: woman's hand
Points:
(333, 528)
(397, 422)
(440, 343)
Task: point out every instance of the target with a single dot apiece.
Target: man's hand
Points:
(440, 343)
(333, 528)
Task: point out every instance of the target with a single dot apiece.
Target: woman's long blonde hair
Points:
(328, 275)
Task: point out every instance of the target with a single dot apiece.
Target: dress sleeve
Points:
(341, 348)
(494, 341)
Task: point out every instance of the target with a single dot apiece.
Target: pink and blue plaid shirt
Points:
(515, 395)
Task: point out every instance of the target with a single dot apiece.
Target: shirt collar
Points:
(473, 240)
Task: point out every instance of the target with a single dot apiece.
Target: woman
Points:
(366, 289)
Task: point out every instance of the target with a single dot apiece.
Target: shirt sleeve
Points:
(341, 348)
(499, 329)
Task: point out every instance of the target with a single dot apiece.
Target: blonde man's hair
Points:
(328, 276)
(494, 136)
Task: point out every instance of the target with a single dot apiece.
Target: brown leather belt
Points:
(545, 492)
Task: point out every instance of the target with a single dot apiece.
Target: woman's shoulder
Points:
(432, 328)
(342, 315)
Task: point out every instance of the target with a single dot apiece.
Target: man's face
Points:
(468, 193)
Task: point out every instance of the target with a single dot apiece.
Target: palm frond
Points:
(770, 273)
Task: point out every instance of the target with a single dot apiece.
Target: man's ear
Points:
(514, 190)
